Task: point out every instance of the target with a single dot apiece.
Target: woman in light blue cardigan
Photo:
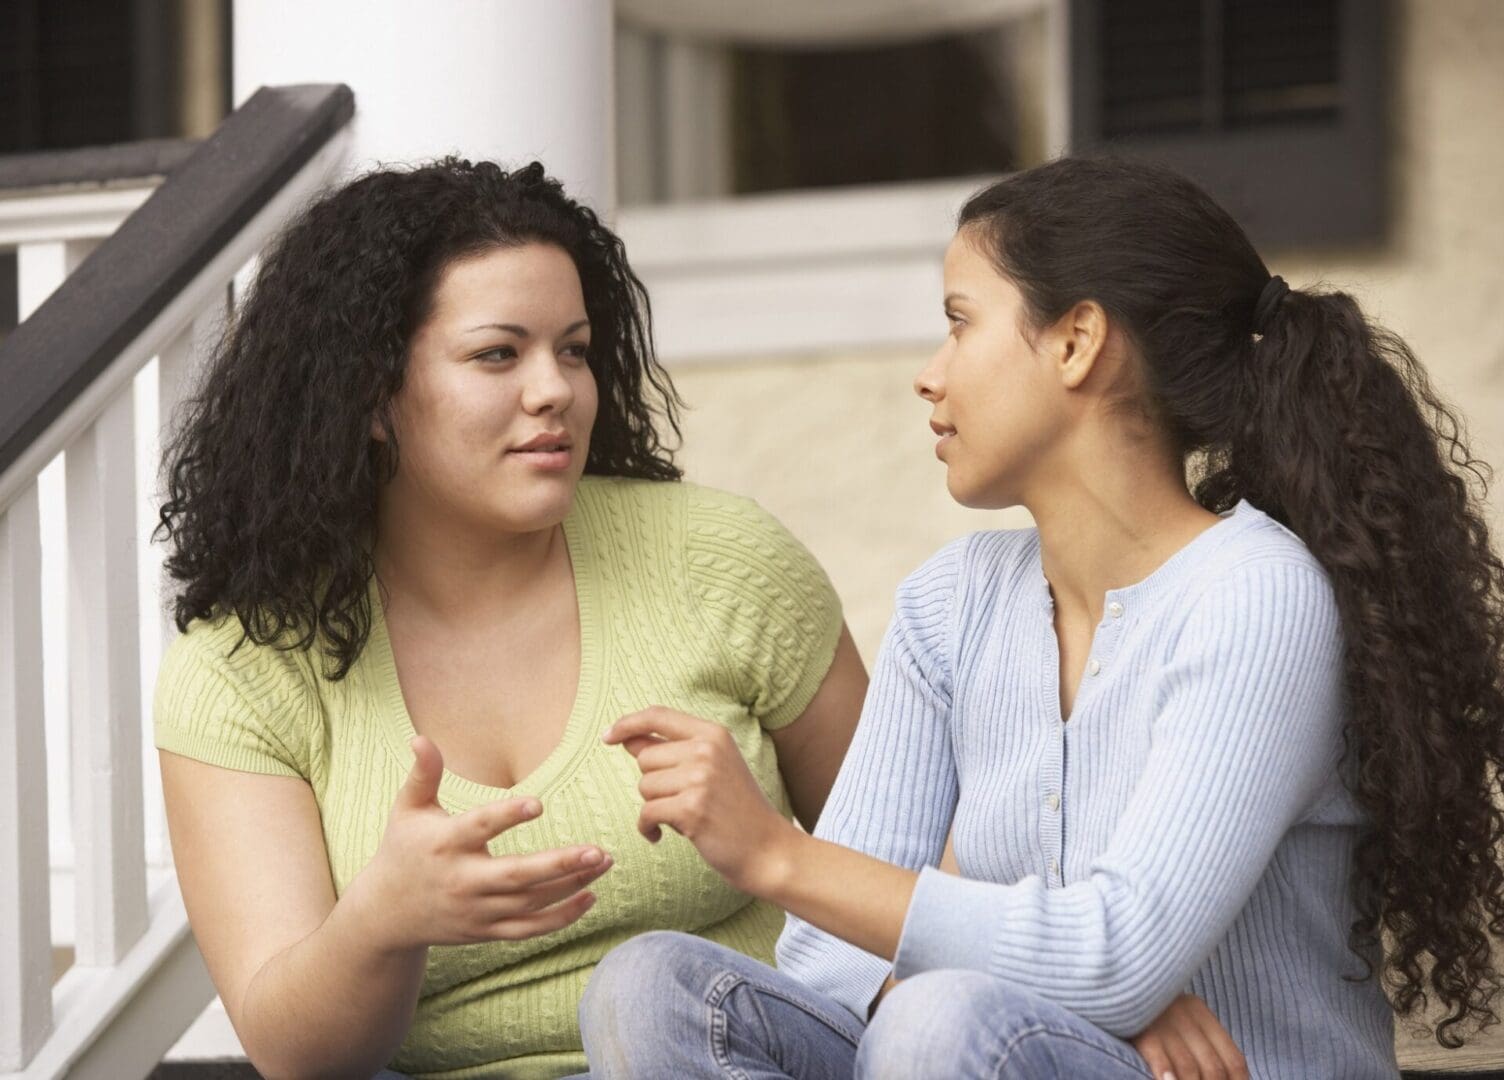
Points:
(1229, 741)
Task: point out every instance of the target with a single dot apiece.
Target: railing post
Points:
(25, 911)
(105, 687)
(42, 266)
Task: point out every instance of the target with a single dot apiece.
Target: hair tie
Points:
(1275, 291)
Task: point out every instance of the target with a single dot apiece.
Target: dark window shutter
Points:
(1275, 106)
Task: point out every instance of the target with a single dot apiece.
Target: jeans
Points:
(393, 1074)
(670, 1004)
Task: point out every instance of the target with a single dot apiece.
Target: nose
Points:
(547, 387)
(930, 382)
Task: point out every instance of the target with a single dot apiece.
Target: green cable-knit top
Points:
(689, 598)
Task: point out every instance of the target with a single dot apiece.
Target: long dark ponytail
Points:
(1328, 424)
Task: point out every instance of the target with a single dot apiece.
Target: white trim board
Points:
(794, 273)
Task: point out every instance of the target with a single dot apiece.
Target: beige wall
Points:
(837, 446)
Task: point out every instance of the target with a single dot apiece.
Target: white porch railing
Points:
(87, 869)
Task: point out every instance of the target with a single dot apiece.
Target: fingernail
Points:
(531, 807)
(590, 857)
(1168, 1076)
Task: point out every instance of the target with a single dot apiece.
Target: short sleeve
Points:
(239, 708)
(761, 593)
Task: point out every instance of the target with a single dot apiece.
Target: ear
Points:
(378, 427)
(1079, 338)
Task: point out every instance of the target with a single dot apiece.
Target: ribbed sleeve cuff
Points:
(816, 668)
(948, 925)
(859, 977)
(842, 972)
(213, 752)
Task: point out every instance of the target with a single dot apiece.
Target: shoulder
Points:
(227, 701)
(996, 564)
(213, 661)
(957, 586)
(659, 519)
(1262, 558)
(724, 531)
(1260, 584)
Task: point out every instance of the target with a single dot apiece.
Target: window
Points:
(1274, 105)
(717, 119)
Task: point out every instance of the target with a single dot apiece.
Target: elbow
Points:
(290, 1059)
(1129, 1000)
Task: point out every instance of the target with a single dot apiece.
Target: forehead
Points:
(507, 280)
(965, 257)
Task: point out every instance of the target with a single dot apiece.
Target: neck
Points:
(1110, 521)
(453, 573)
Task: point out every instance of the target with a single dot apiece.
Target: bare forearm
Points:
(843, 892)
(336, 1004)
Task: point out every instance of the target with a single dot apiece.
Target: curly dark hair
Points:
(1327, 423)
(272, 475)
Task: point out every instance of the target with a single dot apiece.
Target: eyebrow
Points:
(952, 297)
(522, 331)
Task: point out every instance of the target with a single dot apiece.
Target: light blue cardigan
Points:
(1186, 830)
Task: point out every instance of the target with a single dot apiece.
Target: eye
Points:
(956, 322)
(499, 355)
(578, 350)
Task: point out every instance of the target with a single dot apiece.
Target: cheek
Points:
(442, 425)
(586, 401)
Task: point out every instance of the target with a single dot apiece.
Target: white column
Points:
(509, 80)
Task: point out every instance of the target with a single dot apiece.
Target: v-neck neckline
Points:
(396, 722)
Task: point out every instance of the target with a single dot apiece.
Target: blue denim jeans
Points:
(392, 1074)
(669, 1004)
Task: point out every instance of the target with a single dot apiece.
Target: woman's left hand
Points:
(695, 780)
(1188, 1042)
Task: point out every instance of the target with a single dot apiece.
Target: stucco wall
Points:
(837, 445)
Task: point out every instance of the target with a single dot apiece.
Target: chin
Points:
(977, 497)
(542, 507)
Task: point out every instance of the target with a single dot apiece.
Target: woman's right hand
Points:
(1188, 1042)
(433, 881)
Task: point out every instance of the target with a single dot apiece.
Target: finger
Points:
(666, 783)
(638, 743)
(1152, 1051)
(1208, 1062)
(672, 811)
(478, 826)
(663, 754)
(422, 785)
(507, 905)
(657, 721)
(521, 927)
(1182, 1060)
(1227, 1051)
(519, 873)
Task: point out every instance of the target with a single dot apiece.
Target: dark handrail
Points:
(119, 289)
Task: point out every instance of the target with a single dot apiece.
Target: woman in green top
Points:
(349, 611)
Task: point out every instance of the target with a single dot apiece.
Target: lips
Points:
(946, 434)
(545, 443)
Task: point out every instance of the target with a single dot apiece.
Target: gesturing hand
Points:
(433, 881)
(695, 780)
(1188, 1042)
